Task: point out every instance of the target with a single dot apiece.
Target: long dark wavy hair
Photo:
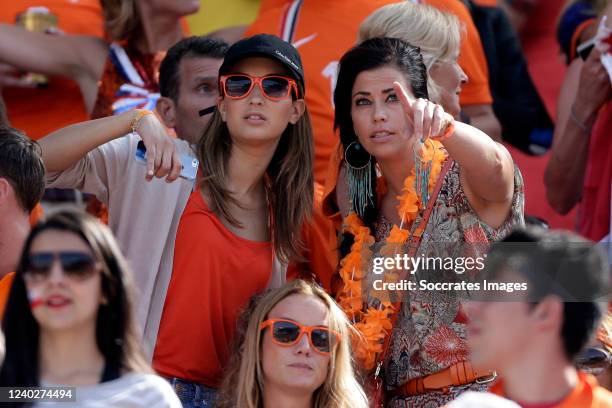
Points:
(371, 54)
(290, 176)
(115, 331)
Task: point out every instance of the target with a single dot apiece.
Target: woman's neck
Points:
(246, 168)
(277, 398)
(70, 357)
(395, 171)
(159, 30)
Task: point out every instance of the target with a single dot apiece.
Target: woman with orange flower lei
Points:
(414, 179)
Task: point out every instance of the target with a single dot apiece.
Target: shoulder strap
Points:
(413, 244)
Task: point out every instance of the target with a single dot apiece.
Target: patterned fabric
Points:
(147, 66)
(429, 334)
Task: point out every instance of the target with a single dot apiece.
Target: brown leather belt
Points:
(458, 374)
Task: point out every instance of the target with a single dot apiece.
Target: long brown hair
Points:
(243, 381)
(116, 333)
(291, 181)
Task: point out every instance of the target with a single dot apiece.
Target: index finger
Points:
(151, 152)
(405, 99)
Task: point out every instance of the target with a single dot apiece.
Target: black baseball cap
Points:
(265, 45)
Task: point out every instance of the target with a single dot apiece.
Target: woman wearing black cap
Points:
(241, 226)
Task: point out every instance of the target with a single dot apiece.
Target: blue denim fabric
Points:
(193, 395)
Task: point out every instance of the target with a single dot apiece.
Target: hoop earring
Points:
(359, 177)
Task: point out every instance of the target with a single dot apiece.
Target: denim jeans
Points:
(193, 395)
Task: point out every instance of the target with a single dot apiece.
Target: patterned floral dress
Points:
(430, 331)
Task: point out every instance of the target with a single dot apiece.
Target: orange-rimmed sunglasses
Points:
(288, 332)
(273, 87)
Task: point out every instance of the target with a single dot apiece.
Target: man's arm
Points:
(64, 147)
(585, 89)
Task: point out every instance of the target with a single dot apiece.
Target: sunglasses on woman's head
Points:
(75, 264)
(288, 332)
(273, 87)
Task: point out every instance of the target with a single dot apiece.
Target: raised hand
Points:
(427, 118)
(163, 159)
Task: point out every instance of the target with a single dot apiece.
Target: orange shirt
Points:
(36, 215)
(40, 111)
(5, 288)
(322, 31)
(586, 394)
(215, 274)
(472, 59)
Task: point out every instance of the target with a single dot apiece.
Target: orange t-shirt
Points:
(215, 273)
(40, 111)
(586, 394)
(472, 59)
(322, 31)
(5, 288)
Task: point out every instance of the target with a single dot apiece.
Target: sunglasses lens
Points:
(285, 332)
(237, 85)
(322, 339)
(40, 263)
(77, 264)
(275, 87)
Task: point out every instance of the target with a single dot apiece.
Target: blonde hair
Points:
(121, 19)
(243, 384)
(436, 33)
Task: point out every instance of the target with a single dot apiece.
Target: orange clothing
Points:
(486, 3)
(321, 242)
(36, 215)
(472, 59)
(586, 394)
(215, 274)
(40, 111)
(5, 288)
(322, 31)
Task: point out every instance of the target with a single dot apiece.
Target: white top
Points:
(473, 399)
(144, 217)
(133, 390)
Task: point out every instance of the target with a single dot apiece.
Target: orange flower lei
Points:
(375, 323)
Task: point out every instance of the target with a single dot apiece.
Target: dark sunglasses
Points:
(75, 264)
(273, 87)
(594, 360)
(287, 333)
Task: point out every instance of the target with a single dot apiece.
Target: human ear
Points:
(166, 108)
(548, 313)
(299, 107)
(222, 108)
(5, 190)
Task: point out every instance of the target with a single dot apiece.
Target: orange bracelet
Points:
(450, 130)
(141, 113)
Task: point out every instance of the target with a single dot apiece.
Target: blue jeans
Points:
(193, 395)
